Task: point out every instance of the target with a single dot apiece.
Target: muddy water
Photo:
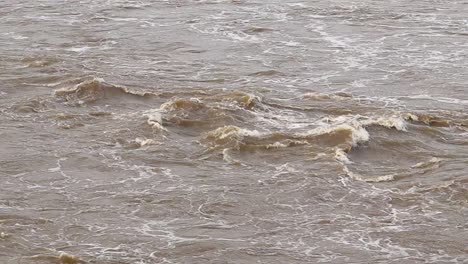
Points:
(233, 131)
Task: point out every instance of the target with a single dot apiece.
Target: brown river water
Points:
(224, 131)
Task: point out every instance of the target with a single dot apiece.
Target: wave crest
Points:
(95, 89)
(344, 136)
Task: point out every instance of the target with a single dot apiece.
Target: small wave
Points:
(193, 112)
(357, 125)
(344, 132)
(245, 100)
(257, 30)
(394, 121)
(419, 168)
(219, 101)
(441, 119)
(63, 258)
(69, 259)
(343, 136)
(31, 106)
(240, 139)
(434, 120)
(359, 177)
(432, 163)
(92, 90)
(265, 73)
(438, 187)
(222, 135)
(353, 134)
(182, 104)
(324, 96)
(210, 111)
(38, 62)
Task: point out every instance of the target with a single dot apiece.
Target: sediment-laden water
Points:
(233, 131)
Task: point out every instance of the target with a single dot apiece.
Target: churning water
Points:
(224, 131)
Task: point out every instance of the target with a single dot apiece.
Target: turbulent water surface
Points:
(223, 131)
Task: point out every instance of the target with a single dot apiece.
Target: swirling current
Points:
(233, 131)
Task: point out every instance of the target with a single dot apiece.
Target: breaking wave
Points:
(342, 135)
(229, 123)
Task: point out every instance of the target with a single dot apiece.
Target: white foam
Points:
(389, 122)
(171, 104)
(154, 119)
(410, 117)
(341, 156)
(233, 131)
(396, 122)
(145, 141)
(277, 144)
(228, 158)
(358, 133)
(79, 49)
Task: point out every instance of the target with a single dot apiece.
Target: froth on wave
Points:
(154, 119)
(210, 111)
(223, 100)
(336, 138)
(327, 96)
(344, 135)
(238, 125)
(94, 89)
(385, 161)
(418, 168)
